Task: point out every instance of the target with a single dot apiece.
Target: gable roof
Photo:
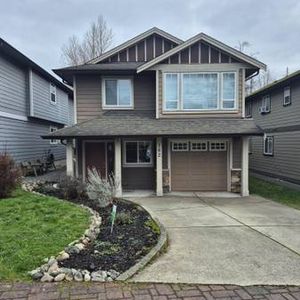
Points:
(134, 40)
(276, 83)
(19, 57)
(203, 37)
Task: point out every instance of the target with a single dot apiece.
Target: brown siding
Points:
(149, 45)
(138, 178)
(88, 95)
(195, 53)
(185, 56)
(141, 51)
(158, 45)
(237, 151)
(204, 54)
(214, 55)
(132, 54)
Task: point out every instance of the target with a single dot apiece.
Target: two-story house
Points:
(32, 103)
(276, 109)
(163, 114)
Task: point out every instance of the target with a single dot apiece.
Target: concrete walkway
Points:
(242, 241)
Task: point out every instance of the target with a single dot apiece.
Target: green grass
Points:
(32, 228)
(275, 192)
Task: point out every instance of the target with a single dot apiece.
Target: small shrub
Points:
(153, 226)
(10, 175)
(99, 189)
(123, 218)
(72, 188)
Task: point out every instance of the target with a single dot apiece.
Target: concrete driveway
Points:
(243, 241)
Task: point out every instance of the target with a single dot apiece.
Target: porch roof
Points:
(112, 125)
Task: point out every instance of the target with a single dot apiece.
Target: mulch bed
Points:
(134, 235)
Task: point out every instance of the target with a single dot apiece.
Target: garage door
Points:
(204, 169)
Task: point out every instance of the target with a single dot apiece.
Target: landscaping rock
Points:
(36, 276)
(69, 277)
(63, 256)
(51, 261)
(47, 278)
(44, 268)
(78, 276)
(60, 277)
(72, 250)
(54, 269)
(87, 277)
(99, 276)
(113, 274)
(79, 246)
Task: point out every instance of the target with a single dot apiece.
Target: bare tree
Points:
(97, 39)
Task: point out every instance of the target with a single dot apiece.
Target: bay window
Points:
(117, 93)
(200, 91)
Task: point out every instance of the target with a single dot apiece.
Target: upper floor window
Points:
(200, 91)
(117, 93)
(265, 104)
(52, 94)
(287, 96)
(248, 109)
(268, 145)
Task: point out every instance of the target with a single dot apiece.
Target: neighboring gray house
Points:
(276, 109)
(32, 103)
(163, 114)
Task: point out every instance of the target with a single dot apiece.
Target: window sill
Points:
(200, 111)
(117, 108)
(136, 165)
(267, 154)
(53, 103)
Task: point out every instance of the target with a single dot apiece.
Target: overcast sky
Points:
(38, 28)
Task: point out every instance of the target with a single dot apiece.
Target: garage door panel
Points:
(199, 171)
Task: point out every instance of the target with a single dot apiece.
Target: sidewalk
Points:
(98, 291)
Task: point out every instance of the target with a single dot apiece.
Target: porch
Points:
(164, 164)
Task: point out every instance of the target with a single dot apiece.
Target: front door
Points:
(95, 156)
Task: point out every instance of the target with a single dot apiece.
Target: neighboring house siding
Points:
(89, 96)
(70, 111)
(42, 107)
(283, 123)
(13, 88)
(285, 163)
(22, 139)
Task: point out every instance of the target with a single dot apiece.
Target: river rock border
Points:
(50, 271)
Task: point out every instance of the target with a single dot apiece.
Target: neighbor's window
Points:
(268, 145)
(138, 153)
(287, 96)
(53, 129)
(52, 93)
(117, 93)
(248, 109)
(199, 91)
(265, 104)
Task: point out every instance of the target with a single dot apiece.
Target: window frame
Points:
(220, 100)
(267, 152)
(182, 142)
(51, 130)
(117, 106)
(199, 141)
(263, 106)
(284, 97)
(220, 142)
(53, 91)
(137, 164)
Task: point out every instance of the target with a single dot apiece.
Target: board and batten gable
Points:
(13, 88)
(89, 94)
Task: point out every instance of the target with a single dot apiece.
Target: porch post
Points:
(245, 167)
(118, 167)
(70, 158)
(159, 175)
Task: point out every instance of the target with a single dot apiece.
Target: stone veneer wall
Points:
(236, 180)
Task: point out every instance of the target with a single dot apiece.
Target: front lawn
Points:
(275, 192)
(32, 228)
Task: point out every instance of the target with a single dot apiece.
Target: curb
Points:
(162, 242)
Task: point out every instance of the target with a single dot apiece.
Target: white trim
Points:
(134, 40)
(202, 141)
(53, 91)
(245, 167)
(159, 167)
(154, 46)
(136, 53)
(180, 142)
(229, 163)
(163, 46)
(190, 59)
(243, 91)
(164, 92)
(137, 164)
(199, 53)
(70, 158)
(83, 155)
(75, 99)
(13, 116)
(209, 54)
(51, 130)
(118, 166)
(169, 165)
(287, 88)
(199, 37)
(222, 100)
(221, 142)
(267, 151)
(157, 94)
(145, 50)
(127, 54)
(30, 93)
(105, 106)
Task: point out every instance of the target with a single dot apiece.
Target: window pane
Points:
(228, 86)
(111, 92)
(171, 105)
(124, 87)
(228, 104)
(171, 88)
(145, 152)
(131, 152)
(200, 91)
